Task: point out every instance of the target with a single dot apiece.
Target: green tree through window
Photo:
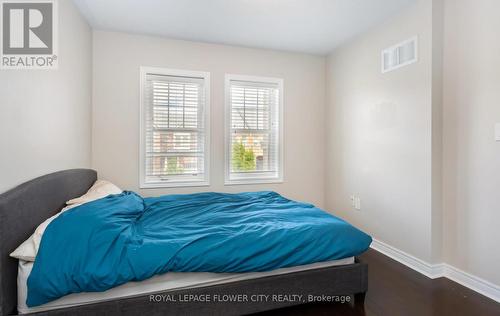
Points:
(243, 159)
(172, 166)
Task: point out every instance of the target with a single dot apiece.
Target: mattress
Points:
(160, 283)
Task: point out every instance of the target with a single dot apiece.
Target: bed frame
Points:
(23, 208)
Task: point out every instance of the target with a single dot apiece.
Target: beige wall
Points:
(417, 145)
(45, 114)
(117, 58)
(437, 131)
(379, 134)
(471, 156)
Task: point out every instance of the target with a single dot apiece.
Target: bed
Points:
(27, 205)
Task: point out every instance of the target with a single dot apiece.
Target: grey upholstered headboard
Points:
(22, 209)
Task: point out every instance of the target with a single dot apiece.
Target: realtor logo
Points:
(29, 37)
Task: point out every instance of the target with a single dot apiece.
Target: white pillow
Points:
(29, 248)
(26, 251)
(100, 189)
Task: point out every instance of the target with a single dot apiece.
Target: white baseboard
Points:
(473, 282)
(439, 270)
(432, 271)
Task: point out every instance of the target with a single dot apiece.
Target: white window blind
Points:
(253, 140)
(174, 128)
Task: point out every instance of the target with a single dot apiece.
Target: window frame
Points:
(144, 71)
(227, 132)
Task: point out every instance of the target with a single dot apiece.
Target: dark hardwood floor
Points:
(395, 289)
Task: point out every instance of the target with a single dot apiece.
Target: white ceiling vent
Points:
(400, 55)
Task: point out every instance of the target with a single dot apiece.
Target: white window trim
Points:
(142, 172)
(227, 131)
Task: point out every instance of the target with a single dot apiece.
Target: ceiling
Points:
(309, 26)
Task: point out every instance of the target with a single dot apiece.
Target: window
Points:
(174, 148)
(254, 130)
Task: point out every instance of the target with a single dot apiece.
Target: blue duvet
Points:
(124, 237)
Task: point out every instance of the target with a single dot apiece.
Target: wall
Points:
(379, 134)
(417, 144)
(437, 131)
(471, 156)
(117, 58)
(45, 115)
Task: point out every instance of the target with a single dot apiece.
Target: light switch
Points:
(357, 203)
(497, 132)
(353, 200)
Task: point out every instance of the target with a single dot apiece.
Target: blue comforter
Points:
(124, 237)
